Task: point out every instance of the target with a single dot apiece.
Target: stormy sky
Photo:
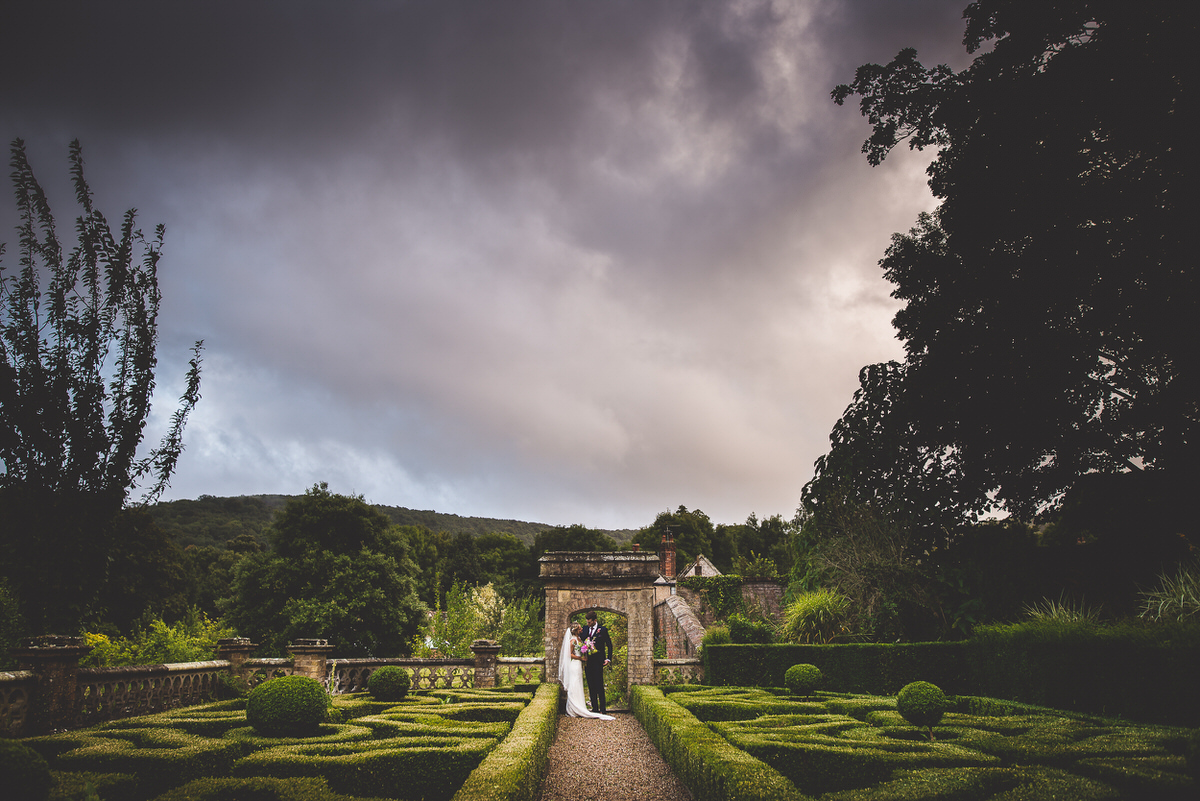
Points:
(557, 261)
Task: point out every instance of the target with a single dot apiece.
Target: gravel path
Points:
(619, 759)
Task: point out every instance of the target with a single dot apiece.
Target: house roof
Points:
(700, 566)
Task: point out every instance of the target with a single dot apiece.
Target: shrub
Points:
(802, 679)
(389, 683)
(231, 686)
(26, 774)
(816, 617)
(1062, 611)
(290, 706)
(922, 704)
(192, 639)
(1175, 598)
(744, 629)
(716, 635)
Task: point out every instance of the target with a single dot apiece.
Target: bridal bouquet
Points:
(587, 646)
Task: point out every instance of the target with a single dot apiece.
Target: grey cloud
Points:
(553, 261)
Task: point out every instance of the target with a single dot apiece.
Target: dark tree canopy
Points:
(572, 538)
(877, 457)
(340, 570)
(78, 339)
(693, 532)
(1050, 301)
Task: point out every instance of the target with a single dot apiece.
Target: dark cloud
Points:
(569, 262)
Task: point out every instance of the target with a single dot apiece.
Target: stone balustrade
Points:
(678, 671)
(17, 690)
(52, 693)
(119, 692)
(513, 670)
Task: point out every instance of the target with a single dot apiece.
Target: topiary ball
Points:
(290, 706)
(921, 704)
(802, 679)
(389, 683)
(25, 774)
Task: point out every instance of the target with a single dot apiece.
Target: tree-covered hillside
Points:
(210, 520)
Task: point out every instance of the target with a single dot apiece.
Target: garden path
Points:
(608, 760)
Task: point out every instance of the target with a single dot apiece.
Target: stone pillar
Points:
(485, 662)
(55, 661)
(308, 658)
(235, 650)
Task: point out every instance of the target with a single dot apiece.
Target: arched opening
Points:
(616, 676)
(616, 582)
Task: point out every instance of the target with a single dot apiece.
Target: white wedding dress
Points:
(570, 673)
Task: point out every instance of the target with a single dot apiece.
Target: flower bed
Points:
(858, 747)
(424, 747)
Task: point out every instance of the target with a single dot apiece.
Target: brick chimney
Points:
(666, 556)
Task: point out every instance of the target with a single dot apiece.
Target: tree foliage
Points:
(1050, 300)
(572, 538)
(692, 529)
(78, 339)
(338, 570)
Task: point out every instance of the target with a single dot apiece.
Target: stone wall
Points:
(675, 623)
(765, 595)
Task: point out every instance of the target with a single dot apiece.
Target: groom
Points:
(597, 660)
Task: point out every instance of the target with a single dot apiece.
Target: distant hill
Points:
(210, 520)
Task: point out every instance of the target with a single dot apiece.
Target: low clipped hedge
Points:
(25, 773)
(516, 768)
(428, 768)
(829, 762)
(160, 758)
(707, 764)
(255, 788)
(862, 747)
(82, 785)
(881, 668)
(739, 703)
(424, 747)
(1118, 672)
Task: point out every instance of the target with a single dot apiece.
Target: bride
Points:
(570, 673)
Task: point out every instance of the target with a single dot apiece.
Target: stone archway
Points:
(612, 581)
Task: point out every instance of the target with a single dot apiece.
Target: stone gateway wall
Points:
(611, 581)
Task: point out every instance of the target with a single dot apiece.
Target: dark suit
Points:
(593, 668)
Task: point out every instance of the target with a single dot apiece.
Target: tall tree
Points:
(78, 340)
(339, 570)
(571, 538)
(692, 530)
(877, 457)
(1050, 300)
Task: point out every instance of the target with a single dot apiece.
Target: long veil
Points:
(564, 657)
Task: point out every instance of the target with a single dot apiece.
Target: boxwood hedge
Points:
(709, 766)
(515, 769)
